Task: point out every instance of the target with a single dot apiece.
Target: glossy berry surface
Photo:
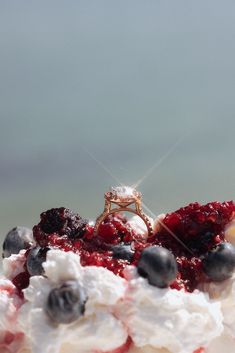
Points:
(158, 265)
(116, 229)
(17, 239)
(21, 281)
(200, 227)
(35, 258)
(111, 247)
(123, 251)
(66, 303)
(219, 263)
(95, 250)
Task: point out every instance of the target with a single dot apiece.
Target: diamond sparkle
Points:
(123, 193)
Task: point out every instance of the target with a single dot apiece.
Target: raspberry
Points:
(59, 222)
(200, 228)
(124, 232)
(105, 259)
(101, 250)
(108, 233)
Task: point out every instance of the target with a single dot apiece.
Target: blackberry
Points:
(61, 222)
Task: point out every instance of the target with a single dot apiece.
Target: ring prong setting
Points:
(123, 197)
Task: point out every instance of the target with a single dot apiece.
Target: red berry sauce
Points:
(21, 281)
(122, 349)
(199, 227)
(199, 350)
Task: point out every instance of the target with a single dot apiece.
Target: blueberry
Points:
(35, 259)
(66, 303)
(219, 263)
(158, 265)
(123, 251)
(17, 239)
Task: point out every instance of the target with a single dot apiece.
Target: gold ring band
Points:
(123, 197)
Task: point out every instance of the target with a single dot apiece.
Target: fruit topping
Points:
(116, 229)
(124, 348)
(108, 233)
(199, 350)
(36, 257)
(201, 229)
(158, 265)
(60, 222)
(66, 303)
(21, 281)
(219, 263)
(17, 239)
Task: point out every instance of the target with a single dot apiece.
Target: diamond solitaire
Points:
(123, 194)
(122, 197)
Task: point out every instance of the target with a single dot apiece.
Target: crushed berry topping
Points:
(200, 228)
(199, 350)
(59, 222)
(101, 250)
(117, 244)
(21, 281)
(123, 348)
(116, 229)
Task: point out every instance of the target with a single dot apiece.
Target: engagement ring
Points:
(124, 199)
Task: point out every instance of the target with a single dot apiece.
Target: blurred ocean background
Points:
(122, 81)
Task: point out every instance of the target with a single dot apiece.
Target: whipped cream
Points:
(223, 343)
(157, 320)
(139, 226)
(98, 329)
(147, 349)
(224, 292)
(157, 223)
(166, 318)
(8, 306)
(10, 336)
(14, 264)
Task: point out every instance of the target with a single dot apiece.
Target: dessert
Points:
(121, 286)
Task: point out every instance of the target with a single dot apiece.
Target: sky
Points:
(90, 86)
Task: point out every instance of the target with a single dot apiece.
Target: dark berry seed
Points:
(17, 239)
(35, 259)
(158, 265)
(66, 303)
(123, 252)
(219, 263)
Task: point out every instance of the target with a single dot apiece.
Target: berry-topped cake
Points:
(121, 285)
